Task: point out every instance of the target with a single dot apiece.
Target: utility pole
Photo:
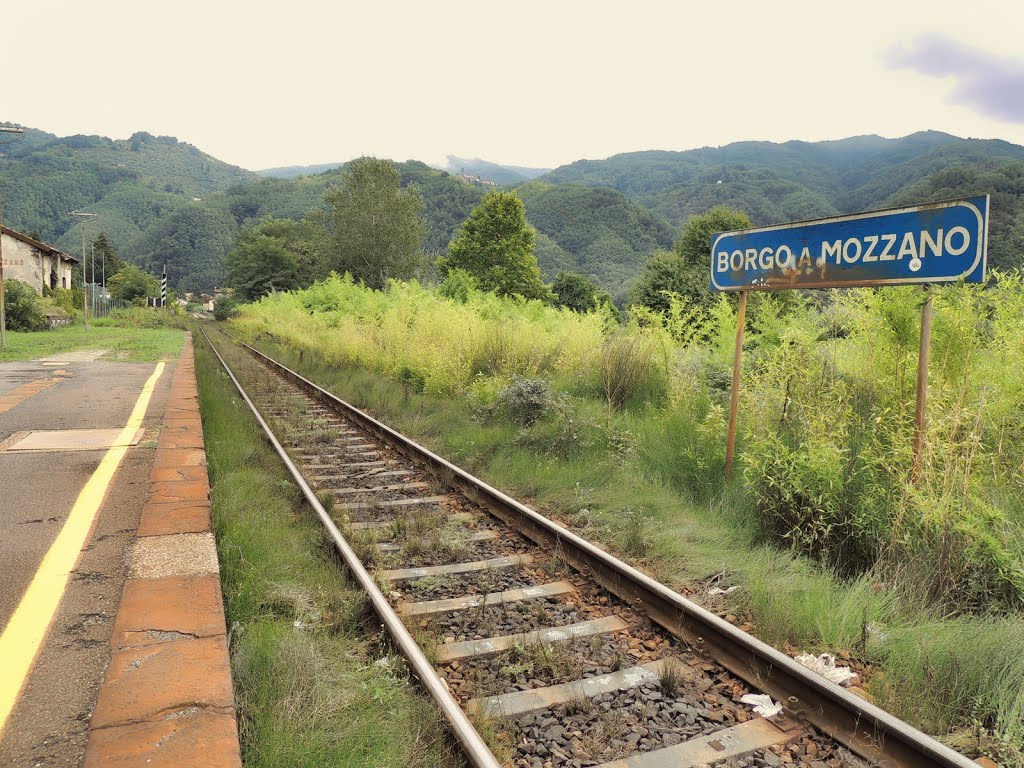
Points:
(85, 285)
(92, 271)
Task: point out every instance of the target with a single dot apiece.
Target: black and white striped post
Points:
(163, 287)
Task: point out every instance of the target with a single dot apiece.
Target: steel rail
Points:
(478, 753)
(866, 729)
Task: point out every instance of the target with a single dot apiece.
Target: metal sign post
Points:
(924, 244)
(924, 355)
(734, 404)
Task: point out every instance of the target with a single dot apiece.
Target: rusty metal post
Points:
(85, 285)
(920, 421)
(734, 405)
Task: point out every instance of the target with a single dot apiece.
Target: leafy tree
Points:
(495, 245)
(273, 255)
(684, 269)
(577, 292)
(224, 307)
(107, 261)
(694, 244)
(131, 283)
(372, 228)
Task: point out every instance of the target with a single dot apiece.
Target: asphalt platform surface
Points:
(37, 491)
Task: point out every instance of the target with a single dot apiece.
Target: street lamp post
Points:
(85, 285)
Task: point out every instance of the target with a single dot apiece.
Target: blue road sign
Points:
(932, 243)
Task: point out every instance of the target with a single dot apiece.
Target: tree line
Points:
(372, 228)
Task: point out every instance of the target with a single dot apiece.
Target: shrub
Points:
(144, 317)
(458, 285)
(68, 299)
(224, 307)
(524, 401)
(630, 371)
(23, 307)
(412, 379)
(814, 498)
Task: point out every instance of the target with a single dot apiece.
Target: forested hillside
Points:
(499, 174)
(163, 201)
(195, 239)
(131, 183)
(596, 232)
(852, 173)
(292, 171)
(774, 183)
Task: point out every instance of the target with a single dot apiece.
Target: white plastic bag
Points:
(825, 665)
(762, 704)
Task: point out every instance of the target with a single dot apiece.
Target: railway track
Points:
(518, 628)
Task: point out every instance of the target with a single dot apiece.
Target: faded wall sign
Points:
(932, 243)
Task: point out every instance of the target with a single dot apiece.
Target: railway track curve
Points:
(519, 627)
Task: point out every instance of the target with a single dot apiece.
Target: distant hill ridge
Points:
(473, 166)
(162, 200)
(779, 182)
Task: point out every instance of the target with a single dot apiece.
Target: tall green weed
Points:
(829, 454)
(826, 412)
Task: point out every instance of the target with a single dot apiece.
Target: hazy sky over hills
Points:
(536, 82)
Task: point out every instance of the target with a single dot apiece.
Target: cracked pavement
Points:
(48, 728)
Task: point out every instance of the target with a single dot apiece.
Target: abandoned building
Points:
(34, 262)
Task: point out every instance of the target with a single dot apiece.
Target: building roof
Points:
(36, 243)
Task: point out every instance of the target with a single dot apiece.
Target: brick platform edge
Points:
(166, 698)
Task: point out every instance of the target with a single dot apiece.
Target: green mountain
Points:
(292, 171)
(131, 184)
(195, 239)
(780, 182)
(775, 183)
(454, 165)
(597, 232)
(163, 201)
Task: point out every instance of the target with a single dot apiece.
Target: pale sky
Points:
(538, 83)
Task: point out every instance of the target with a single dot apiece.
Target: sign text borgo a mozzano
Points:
(932, 243)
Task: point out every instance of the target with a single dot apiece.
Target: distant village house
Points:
(471, 179)
(34, 262)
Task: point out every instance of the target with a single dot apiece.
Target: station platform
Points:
(112, 634)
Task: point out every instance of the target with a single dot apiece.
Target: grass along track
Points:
(552, 647)
(314, 684)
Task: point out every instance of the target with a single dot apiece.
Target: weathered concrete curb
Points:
(166, 698)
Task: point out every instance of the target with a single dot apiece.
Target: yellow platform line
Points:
(24, 634)
(18, 395)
